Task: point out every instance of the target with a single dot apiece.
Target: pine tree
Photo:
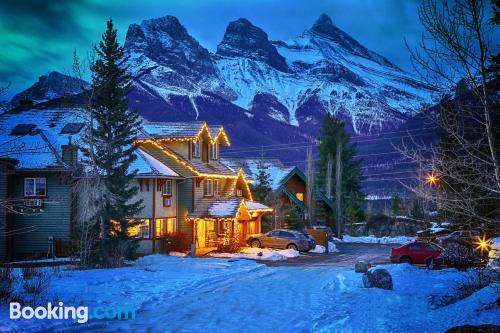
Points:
(352, 194)
(262, 189)
(293, 220)
(110, 137)
(396, 206)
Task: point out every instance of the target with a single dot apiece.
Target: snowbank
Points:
(167, 291)
(318, 249)
(261, 254)
(332, 247)
(378, 240)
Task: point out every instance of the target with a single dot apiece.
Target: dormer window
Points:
(214, 151)
(196, 148)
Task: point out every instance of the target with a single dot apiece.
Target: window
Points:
(141, 229)
(431, 248)
(167, 201)
(167, 187)
(214, 151)
(216, 186)
(207, 188)
(239, 193)
(196, 148)
(164, 226)
(415, 247)
(300, 196)
(35, 187)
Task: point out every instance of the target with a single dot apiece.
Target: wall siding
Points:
(53, 221)
(185, 206)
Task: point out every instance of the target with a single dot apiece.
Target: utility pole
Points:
(338, 186)
(310, 186)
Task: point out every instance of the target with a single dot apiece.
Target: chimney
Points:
(70, 154)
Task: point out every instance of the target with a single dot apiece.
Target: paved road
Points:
(348, 254)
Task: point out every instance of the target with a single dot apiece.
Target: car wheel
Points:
(292, 247)
(405, 260)
(255, 243)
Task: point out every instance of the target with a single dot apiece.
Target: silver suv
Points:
(283, 239)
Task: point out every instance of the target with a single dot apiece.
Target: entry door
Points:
(201, 231)
(243, 233)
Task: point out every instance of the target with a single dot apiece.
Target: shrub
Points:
(6, 284)
(28, 272)
(36, 286)
(475, 281)
(462, 256)
(176, 241)
(115, 250)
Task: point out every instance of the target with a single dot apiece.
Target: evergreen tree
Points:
(262, 189)
(110, 137)
(396, 206)
(293, 220)
(352, 194)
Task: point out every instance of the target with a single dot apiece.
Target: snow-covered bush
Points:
(474, 281)
(462, 256)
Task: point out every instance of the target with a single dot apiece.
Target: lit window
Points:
(216, 186)
(300, 196)
(239, 193)
(207, 188)
(140, 229)
(196, 148)
(35, 187)
(167, 187)
(214, 152)
(164, 226)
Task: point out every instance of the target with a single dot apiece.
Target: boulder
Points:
(377, 278)
(361, 266)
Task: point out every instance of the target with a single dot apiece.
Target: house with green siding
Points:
(185, 187)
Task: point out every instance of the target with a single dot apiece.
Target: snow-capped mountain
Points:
(50, 86)
(293, 82)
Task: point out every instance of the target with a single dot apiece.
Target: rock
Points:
(361, 266)
(474, 329)
(377, 278)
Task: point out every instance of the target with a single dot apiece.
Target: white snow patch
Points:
(378, 240)
(261, 254)
(318, 249)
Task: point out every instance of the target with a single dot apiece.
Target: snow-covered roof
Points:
(274, 167)
(185, 129)
(147, 165)
(225, 207)
(41, 146)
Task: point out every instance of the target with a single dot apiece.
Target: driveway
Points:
(348, 254)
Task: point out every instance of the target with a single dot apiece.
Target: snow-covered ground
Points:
(379, 240)
(261, 254)
(173, 294)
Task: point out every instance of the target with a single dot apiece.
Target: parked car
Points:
(282, 239)
(467, 236)
(416, 253)
(311, 238)
(328, 230)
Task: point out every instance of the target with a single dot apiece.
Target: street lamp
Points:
(432, 179)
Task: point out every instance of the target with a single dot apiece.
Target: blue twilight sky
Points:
(37, 36)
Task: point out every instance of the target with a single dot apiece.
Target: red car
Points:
(416, 252)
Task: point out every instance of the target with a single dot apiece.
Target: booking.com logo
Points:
(62, 312)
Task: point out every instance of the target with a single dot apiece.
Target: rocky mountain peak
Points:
(243, 39)
(324, 25)
(49, 86)
(166, 41)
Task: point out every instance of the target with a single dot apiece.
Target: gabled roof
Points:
(317, 193)
(149, 166)
(226, 208)
(188, 130)
(184, 167)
